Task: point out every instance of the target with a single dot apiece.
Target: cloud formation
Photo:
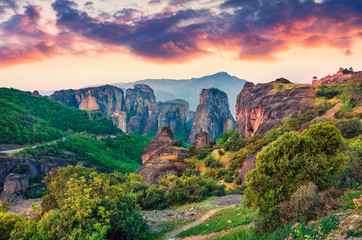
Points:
(255, 30)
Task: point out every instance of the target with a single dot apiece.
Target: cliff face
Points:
(137, 105)
(173, 113)
(212, 115)
(262, 107)
(105, 99)
(160, 157)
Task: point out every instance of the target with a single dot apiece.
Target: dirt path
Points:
(172, 234)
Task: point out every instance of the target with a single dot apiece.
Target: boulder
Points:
(248, 165)
(14, 187)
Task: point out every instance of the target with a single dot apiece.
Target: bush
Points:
(228, 178)
(192, 149)
(201, 153)
(221, 152)
(349, 128)
(238, 181)
(293, 160)
(305, 204)
(211, 162)
(178, 143)
(82, 204)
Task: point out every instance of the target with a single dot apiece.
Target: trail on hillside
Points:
(174, 233)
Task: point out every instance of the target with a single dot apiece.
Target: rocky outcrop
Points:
(160, 157)
(119, 119)
(48, 163)
(162, 145)
(35, 94)
(6, 164)
(341, 77)
(262, 107)
(248, 165)
(137, 105)
(105, 99)
(14, 187)
(212, 115)
(202, 139)
(174, 114)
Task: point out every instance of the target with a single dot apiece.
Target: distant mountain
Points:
(190, 89)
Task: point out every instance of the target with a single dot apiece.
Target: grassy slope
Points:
(27, 119)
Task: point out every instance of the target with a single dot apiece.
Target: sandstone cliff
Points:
(174, 114)
(212, 115)
(138, 103)
(262, 107)
(105, 99)
(160, 157)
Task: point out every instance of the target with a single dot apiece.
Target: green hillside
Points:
(28, 119)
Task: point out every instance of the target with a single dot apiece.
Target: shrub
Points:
(192, 149)
(201, 153)
(349, 127)
(221, 152)
(178, 143)
(228, 178)
(238, 181)
(291, 161)
(305, 204)
(86, 206)
(211, 162)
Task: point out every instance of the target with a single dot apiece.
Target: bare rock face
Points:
(202, 139)
(154, 170)
(212, 115)
(160, 157)
(248, 165)
(174, 114)
(105, 99)
(6, 164)
(48, 163)
(35, 94)
(262, 107)
(14, 187)
(119, 119)
(138, 103)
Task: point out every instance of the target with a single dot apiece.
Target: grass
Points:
(221, 221)
(324, 228)
(168, 226)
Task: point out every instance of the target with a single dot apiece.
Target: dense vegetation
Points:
(121, 153)
(28, 119)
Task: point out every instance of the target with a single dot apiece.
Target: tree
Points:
(82, 204)
(294, 160)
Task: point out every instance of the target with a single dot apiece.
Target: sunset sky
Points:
(57, 44)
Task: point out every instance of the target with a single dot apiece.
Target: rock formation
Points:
(137, 105)
(14, 187)
(202, 139)
(248, 165)
(6, 164)
(119, 119)
(105, 99)
(48, 163)
(35, 94)
(262, 107)
(160, 157)
(212, 115)
(174, 114)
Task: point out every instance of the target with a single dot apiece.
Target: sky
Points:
(62, 44)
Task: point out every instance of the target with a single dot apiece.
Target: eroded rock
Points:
(14, 187)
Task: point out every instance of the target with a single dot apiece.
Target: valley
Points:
(288, 166)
